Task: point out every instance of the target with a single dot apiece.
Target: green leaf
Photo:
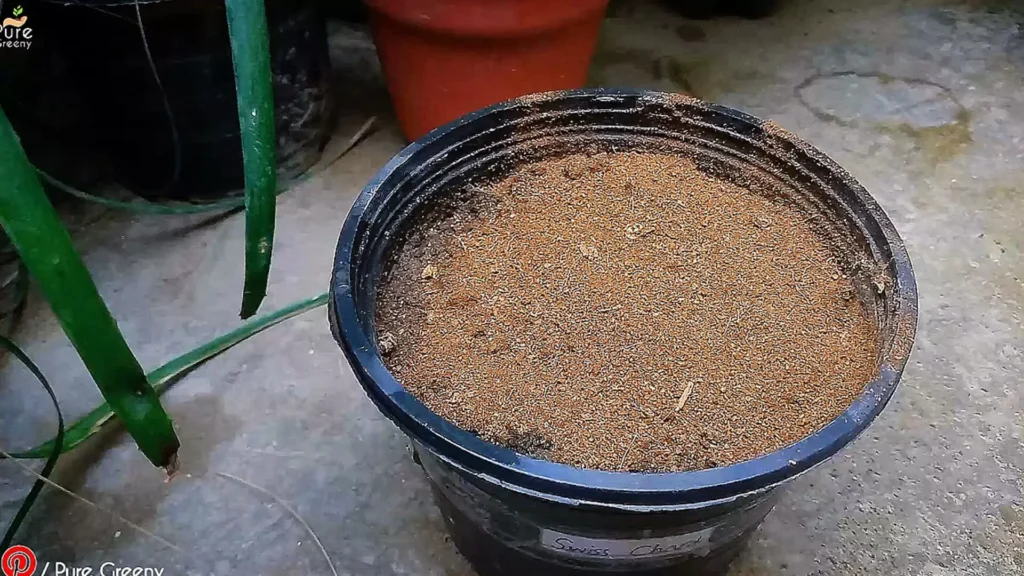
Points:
(165, 376)
(56, 445)
(46, 250)
(250, 52)
(17, 11)
(142, 206)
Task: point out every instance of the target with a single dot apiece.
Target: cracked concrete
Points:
(923, 101)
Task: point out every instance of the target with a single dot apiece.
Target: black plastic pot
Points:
(512, 514)
(87, 106)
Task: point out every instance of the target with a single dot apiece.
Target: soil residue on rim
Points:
(625, 311)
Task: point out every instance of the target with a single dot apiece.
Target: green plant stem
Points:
(143, 206)
(45, 247)
(250, 52)
(166, 375)
(56, 445)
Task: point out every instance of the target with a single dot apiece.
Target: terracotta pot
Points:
(444, 58)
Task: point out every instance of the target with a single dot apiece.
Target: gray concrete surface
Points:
(922, 101)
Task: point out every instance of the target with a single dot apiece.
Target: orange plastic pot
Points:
(444, 58)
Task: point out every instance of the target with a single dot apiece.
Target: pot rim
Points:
(494, 464)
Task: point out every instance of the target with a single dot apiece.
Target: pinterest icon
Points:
(19, 561)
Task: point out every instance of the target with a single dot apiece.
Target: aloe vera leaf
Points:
(250, 52)
(166, 375)
(45, 248)
(54, 452)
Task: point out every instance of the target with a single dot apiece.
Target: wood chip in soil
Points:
(626, 311)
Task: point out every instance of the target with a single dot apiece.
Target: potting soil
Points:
(626, 311)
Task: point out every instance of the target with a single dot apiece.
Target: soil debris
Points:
(387, 343)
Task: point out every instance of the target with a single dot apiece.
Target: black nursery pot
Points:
(511, 514)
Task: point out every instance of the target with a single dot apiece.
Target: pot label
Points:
(583, 547)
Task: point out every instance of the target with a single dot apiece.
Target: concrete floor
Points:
(922, 101)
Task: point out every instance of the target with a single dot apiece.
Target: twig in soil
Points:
(286, 506)
(628, 450)
(666, 235)
(53, 484)
(640, 408)
(682, 399)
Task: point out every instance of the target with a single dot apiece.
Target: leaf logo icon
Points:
(17, 11)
